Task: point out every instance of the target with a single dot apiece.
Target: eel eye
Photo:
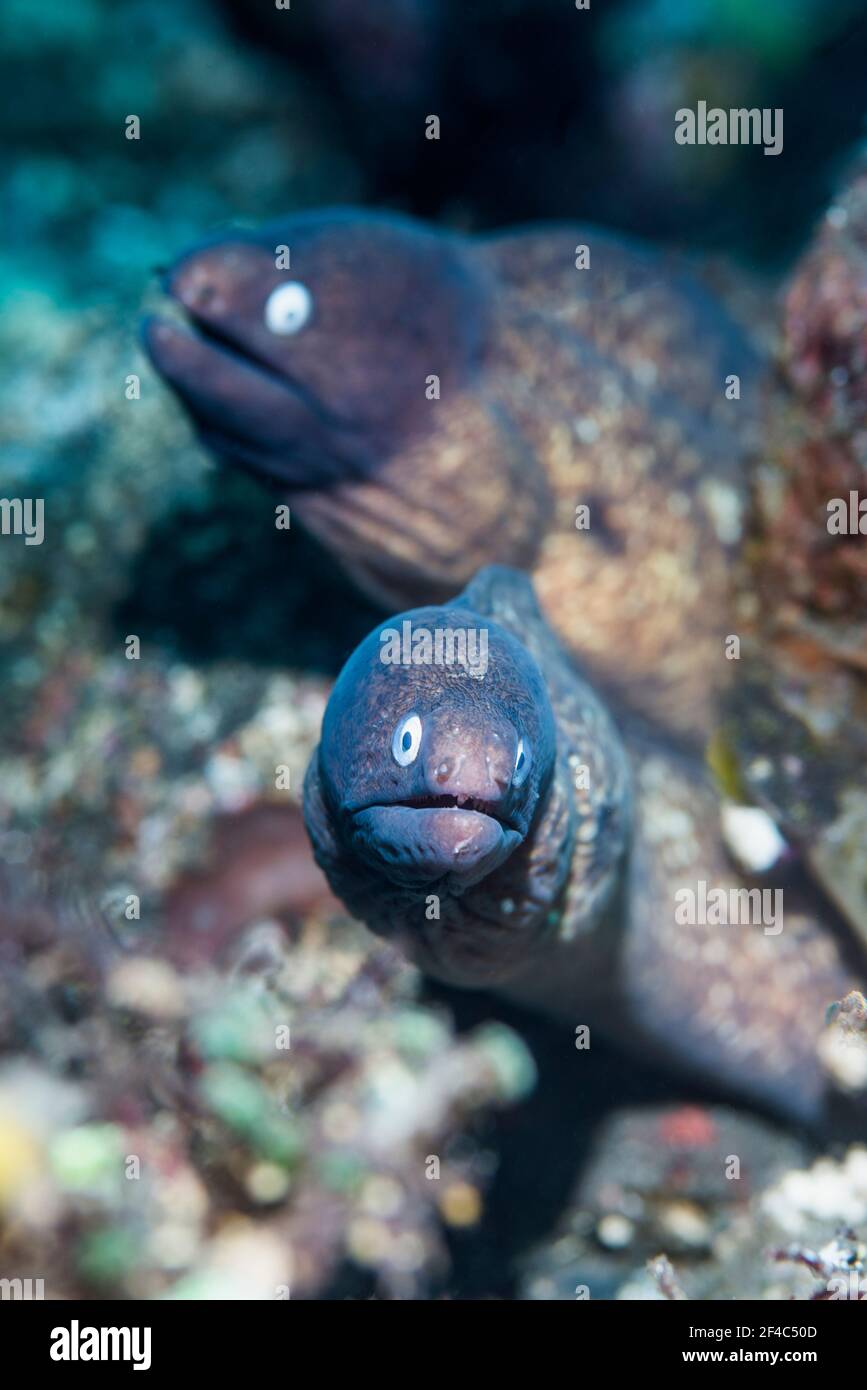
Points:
(522, 763)
(406, 740)
(288, 308)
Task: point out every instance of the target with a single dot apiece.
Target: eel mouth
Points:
(464, 803)
(215, 337)
(456, 841)
(493, 810)
(248, 409)
(179, 318)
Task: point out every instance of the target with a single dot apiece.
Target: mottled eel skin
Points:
(555, 387)
(556, 886)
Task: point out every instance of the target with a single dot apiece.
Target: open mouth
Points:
(466, 803)
(174, 311)
(210, 333)
(492, 809)
(448, 840)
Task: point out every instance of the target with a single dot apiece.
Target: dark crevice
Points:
(216, 580)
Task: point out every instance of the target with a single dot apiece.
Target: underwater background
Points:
(153, 779)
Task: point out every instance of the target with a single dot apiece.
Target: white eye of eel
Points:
(406, 740)
(288, 308)
(522, 762)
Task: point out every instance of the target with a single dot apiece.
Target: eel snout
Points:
(462, 819)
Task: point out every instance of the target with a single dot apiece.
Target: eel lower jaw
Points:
(179, 344)
(430, 842)
(246, 410)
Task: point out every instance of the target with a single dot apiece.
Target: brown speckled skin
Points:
(559, 387)
(730, 1005)
(580, 921)
(603, 386)
(560, 879)
(733, 1003)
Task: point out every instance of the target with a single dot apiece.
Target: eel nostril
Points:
(203, 295)
(443, 771)
(198, 289)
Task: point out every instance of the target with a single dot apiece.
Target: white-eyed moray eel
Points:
(531, 815)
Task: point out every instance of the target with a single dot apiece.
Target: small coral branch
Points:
(662, 1272)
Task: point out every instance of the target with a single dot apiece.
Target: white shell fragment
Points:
(751, 837)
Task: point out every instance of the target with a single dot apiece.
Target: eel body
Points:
(551, 398)
(559, 401)
(559, 889)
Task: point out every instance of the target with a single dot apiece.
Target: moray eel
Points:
(493, 822)
(430, 403)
